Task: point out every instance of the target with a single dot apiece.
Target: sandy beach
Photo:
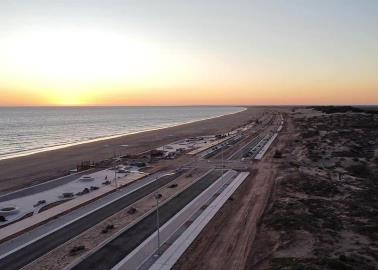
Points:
(24, 171)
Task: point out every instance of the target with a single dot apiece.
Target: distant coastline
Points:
(23, 171)
(28, 152)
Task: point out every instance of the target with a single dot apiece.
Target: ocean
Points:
(29, 130)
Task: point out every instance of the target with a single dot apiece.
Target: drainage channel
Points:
(118, 248)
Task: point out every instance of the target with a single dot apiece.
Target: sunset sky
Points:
(193, 52)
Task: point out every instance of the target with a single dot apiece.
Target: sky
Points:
(197, 52)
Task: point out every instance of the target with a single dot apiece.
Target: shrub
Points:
(359, 170)
(277, 154)
(132, 210)
(108, 228)
(75, 250)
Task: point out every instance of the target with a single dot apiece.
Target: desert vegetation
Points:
(324, 214)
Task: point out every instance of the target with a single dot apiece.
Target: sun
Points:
(82, 56)
(68, 100)
(77, 66)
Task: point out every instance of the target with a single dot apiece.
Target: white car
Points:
(86, 178)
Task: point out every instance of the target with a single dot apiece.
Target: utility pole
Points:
(115, 170)
(222, 163)
(222, 166)
(157, 223)
(115, 174)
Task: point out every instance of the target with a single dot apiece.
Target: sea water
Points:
(29, 130)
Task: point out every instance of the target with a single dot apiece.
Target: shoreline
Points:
(24, 171)
(62, 146)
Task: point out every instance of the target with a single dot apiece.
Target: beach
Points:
(20, 172)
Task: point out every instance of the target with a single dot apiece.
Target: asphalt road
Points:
(239, 154)
(228, 144)
(40, 247)
(113, 252)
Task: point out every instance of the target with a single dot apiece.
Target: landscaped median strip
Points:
(174, 252)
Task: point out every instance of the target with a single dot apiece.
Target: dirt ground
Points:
(323, 214)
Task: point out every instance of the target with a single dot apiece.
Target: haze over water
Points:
(29, 130)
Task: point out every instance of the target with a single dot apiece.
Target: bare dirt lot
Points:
(324, 212)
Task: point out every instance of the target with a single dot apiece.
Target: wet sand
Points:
(24, 171)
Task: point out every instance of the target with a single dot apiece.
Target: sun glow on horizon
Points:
(75, 66)
(194, 53)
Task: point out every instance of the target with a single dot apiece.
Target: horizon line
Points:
(194, 105)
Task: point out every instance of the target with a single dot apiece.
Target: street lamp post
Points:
(115, 174)
(222, 163)
(157, 215)
(117, 159)
(222, 166)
